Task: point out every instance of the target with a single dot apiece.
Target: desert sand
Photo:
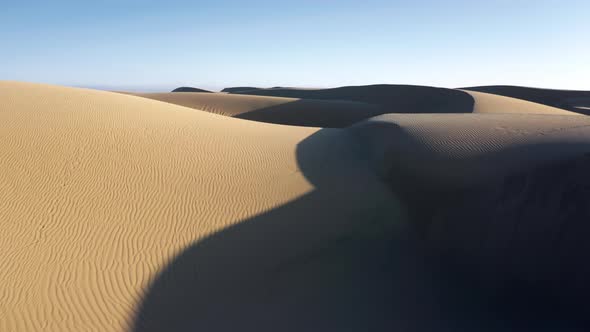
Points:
(338, 108)
(564, 99)
(187, 211)
(280, 110)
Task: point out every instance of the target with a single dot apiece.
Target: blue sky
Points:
(159, 45)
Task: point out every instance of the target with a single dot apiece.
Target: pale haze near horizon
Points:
(151, 46)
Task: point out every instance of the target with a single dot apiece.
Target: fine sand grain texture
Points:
(280, 110)
(123, 213)
(104, 196)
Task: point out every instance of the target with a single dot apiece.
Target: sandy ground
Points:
(490, 103)
(101, 191)
(122, 213)
(290, 111)
(332, 109)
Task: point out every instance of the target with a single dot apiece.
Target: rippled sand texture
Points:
(123, 213)
(101, 190)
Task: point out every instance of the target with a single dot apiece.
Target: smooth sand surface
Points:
(280, 110)
(467, 149)
(122, 213)
(490, 103)
(102, 192)
(550, 97)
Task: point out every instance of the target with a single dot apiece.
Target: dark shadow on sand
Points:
(392, 98)
(309, 265)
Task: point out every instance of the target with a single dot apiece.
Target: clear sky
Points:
(159, 45)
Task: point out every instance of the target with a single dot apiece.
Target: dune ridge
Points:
(571, 100)
(279, 110)
(101, 190)
(333, 110)
(189, 89)
(123, 213)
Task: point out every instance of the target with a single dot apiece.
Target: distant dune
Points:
(170, 212)
(344, 111)
(280, 110)
(394, 98)
(491, 103)
(571, 100)
(238, 89)
(189, 89)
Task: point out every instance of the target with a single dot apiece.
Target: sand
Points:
(124, 213)
(189, 89)
(280, 110)
(550, 97)
(102, 192)
(490, 103)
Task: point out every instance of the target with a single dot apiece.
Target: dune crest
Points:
(100, 191)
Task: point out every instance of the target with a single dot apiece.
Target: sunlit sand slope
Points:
(102, 194)
(490, 103)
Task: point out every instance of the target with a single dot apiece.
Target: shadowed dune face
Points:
(128, 214)
(393, 98)
(464, 149)
(564, 99)
(189, 89)
(336, 112)
(375, 277)
(505, 210)
(580, 105)
(124, 213)
(289, 111)
(238, 89)
(334, 259)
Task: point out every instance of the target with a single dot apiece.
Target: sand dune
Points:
(122, 213)
(394, 98)
(188, 89)
(290, 111)
(338, 113)
(467, 149)
(564, 99)
(490, 103)
(500, 200)
(100, 191)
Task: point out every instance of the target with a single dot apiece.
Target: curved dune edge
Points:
(465, 149)
(190, 89)
(279, 110)
(500, 202)
(101, 191)
(336, 113)
(490, 103)
(564, 99)
(122, 213)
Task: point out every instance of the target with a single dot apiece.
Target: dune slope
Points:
(491, 103)
(394, 98)
(564, 99)
(101, 191)
(497, 198)
(280, 110)
(122, 213)
(189, 89)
